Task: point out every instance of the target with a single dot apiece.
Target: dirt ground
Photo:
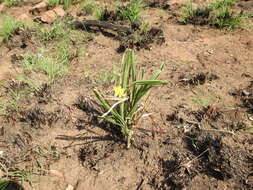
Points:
(196, 139)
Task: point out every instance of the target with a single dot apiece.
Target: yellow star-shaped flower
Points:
(119, 92)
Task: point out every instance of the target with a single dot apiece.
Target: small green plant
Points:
(47, 65)
(221, 3)
(63, 54)
(3, 184)
(145, 27)
(53, 3)
(88, 7)
(15, 174)
(126, 112)
(10, 3)
(66, 3)
(33, 86)
(8, 27)
(188, 13)
(3, 108)
(55, 32)
(98, 13)
(8, 106)
(217, 13)
(132, 11)
(224, 18)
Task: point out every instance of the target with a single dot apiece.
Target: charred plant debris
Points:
(197, 79)
(246, 96)
(137, 36)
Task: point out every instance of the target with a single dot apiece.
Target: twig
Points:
(139, 186)
(188, 163)
(230, 132)
(113, 106)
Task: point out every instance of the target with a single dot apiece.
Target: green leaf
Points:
(150, 82)
(3, 184)
(248, 128)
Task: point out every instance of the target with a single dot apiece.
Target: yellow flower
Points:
(119, 92)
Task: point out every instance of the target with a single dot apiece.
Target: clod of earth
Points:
(141, 40)
(163, 4)
(40, 7)
(197, 79)
(246, 96)
(51, 15)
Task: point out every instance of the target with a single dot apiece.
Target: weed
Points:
(218, 13)
(54, 3)
(63, 54)
(126, 112)
(10, 3)
(224, 18)
(3, 184)
(220, 3)
(66, 3)
(7, 107)
(9, 27)
(132, 11)
(80, 36)
(88, 7)
(3, 108)
(33, 85)
(55, 32)
(16, 174)
(50, 68)
(98, 13)
(46, 65)
(145, 28)
(188, 13)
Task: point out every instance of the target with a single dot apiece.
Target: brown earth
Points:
(196, 139)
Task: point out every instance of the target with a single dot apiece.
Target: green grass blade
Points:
(150, 82)
(3, 184)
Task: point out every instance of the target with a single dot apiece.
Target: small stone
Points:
(42, 6)
(59, 11)
(245, 93)
(2, 7)
(48, 17)
(69, 187)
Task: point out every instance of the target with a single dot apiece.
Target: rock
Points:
(42, 6)
(2, 7)
(48, 16)
(69, 187)
(59, 11)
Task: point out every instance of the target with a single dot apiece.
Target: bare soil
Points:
(199, 135)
